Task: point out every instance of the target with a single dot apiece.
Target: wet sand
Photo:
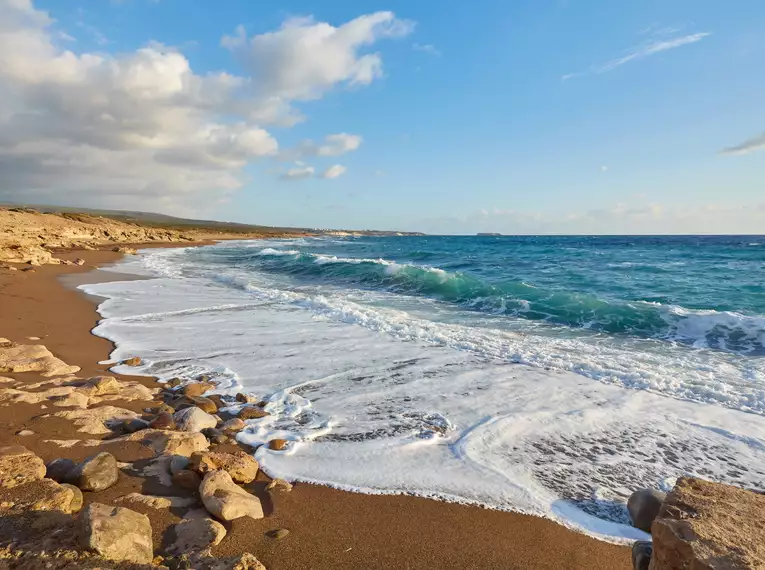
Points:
(328, 528)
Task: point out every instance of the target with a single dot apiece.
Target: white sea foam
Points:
(386, 400)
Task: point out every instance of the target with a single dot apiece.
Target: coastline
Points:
(328, 528)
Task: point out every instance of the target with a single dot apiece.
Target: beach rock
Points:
(278, 444)
(173, 382)
(170, 442)
(277, 534)
(234, 424)
(204, 404)
(15, 358)
(215, 435)
(74, 399)
(96, 473)
(218, 400)
(163, 421)
(116, 533)
(132, 361)
(279, 485)
(641, 555)
(187, 479)
(18, 465)
(246, 398)
(643, 506)
(709, 526)
(134, 425)
(225, 501)
(194, 419)
(241, 466)
(193, 535)
(43, 495)
(97, 420)
(79, 261)
(25, 432)
(196, 389)
(104, 385)
(77, 499)
(125, 250)
(156, 502)
(252, 413)
(59, 469)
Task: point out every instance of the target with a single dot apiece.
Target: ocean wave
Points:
(720, 330)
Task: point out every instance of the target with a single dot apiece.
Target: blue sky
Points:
(535, 116)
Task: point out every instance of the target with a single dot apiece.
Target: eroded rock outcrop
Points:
(16, 358)
(116, 533)
(18, 466)
(709, 526)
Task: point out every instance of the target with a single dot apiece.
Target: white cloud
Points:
(334, 171)
(305, 58)
(430, 49)
(142, 130)
(332, 145)
(645, 49)
(298, 172)
(750, 145)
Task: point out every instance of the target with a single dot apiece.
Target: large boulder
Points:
(193, 535)
(709, 526)
(242, 466)
(18, 465)
(225, 501)
(194, 419)
(643, 506)
(59, 469)
(116, 533)
(641, 555)
(96, 473)
(44, 495)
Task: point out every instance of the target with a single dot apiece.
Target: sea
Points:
(540, 374)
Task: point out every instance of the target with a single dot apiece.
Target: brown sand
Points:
(328, 528)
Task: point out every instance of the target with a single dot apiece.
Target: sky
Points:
(510, 116)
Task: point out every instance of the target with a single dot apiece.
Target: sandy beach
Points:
(328, 528)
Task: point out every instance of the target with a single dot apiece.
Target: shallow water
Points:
(548, 375)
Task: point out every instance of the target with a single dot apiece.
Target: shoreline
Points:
(329, 528)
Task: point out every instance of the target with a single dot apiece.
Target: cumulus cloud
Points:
(305, 58)
(334, 171)
(142, 129)
(332, 145)
(643, 50)
(298, 172)
(750, 145)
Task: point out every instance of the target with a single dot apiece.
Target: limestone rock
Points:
(234, 424)
(96, 473)
(133, 361)
(643, 506)
(278, 444)
(104, 385)
(194, 419)
(215, 435)
(196, 389)
(134, 425)
(116, 533)
(25, 432)
(241, 466)
(204, 404)
(59, 469)
(77, 499)
(97, 420)
(16, 358)
(709, 526)
(170, 442)
(193, 535)
(279, 485)
(178, 463)
(18, 465)
(156, 502)
(163, 421)
(246, 398)
(225, 501)
(252, 413)
(218, 400)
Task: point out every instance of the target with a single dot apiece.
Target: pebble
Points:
(277, 534)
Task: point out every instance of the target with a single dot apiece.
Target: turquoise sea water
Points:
(551, 375)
